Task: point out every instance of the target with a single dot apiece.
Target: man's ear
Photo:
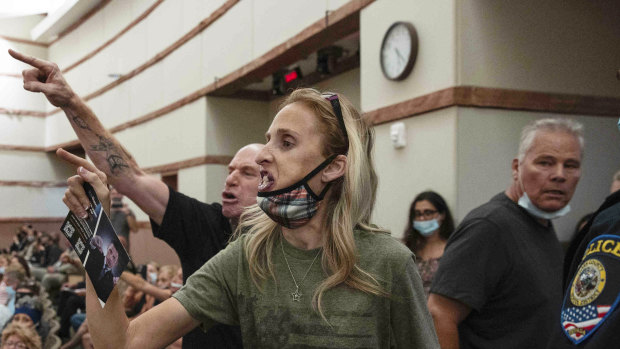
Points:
(515, 169)
(335, 169)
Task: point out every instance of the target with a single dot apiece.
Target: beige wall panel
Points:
(204, 183)
(195, 11)
(15, 97)
(68, 50)
(80, 77)
(427, 162)
(534, 45)
(274, 21)
(174, 137)
(233, 123)
(193, 182)
(333, 5)
(435, 65)
(116, 16)
(112, 108)
(488, 141)
(22, 130)
(216, 178)
(19, 27)
(182, 71)
(33, 166)
(129, 51)
(347, 84)
(227, 43)
(58, 130)
(139, 6)
(10, 65)
(32, 202)
(163, 26)
(146, 91)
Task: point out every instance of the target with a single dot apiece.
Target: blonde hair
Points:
(26, 334)
(170, 269)
(350, 202)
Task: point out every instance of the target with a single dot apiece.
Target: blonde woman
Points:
(310, 269)
(21, 337)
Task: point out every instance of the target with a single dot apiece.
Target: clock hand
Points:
(399, 54)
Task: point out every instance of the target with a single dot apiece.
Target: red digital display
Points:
(291, 76)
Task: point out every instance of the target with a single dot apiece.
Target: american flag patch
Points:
(578, 321)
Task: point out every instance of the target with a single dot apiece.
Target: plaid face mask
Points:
(294, 205)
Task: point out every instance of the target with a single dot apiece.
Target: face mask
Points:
(153, 277)
(527, 204)
(2, 270)
(11, 304)
(175, 285)
(294, 206)
(426, 228)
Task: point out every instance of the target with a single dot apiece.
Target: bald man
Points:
(195, 230)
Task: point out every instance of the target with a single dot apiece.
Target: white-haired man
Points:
(499, 281)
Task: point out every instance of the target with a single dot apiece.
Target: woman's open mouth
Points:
(266, 181)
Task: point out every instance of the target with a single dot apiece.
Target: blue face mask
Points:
(11, 304)
(528, 205)
(2, 270)
(153, 277)
(426, 228)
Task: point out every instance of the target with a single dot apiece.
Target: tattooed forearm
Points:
(115, 157)
(80, 123)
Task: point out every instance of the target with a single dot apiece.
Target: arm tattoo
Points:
(116, 161)
(81, 123)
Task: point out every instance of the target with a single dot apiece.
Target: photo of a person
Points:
(102, 265)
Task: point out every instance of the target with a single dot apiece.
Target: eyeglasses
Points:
(18, 345)
(333, 99)
(425, 213)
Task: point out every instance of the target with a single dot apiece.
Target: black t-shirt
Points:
(197, 231)
(606, 222)
(507, 267)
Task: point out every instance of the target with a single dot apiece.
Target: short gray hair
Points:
(550, 125)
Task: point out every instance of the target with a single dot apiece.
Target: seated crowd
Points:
(42, 292)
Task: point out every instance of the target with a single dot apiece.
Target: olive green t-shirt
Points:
(222, 291)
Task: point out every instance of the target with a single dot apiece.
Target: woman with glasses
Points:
(428, 229)
(17, 336)
(307, 268)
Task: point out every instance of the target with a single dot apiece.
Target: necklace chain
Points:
(297, 295)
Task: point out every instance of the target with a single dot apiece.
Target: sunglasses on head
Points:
(335, 102)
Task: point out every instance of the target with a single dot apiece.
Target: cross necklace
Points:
(297, 295)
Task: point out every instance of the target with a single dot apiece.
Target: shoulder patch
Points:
(590, 297)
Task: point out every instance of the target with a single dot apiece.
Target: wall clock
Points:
(399, 50)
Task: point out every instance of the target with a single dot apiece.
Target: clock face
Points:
(399, 50)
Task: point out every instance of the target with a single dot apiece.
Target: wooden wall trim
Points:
(336, 25)
(205, 23)
(339, 23)
(21, 148)
(11, 75)
(23, 41)
(115, 37)
(32, 219)
(80, 21)
(485, 97)
(33, 184)
(21, 112)
(197, 161)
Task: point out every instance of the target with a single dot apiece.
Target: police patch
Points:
(591, 299)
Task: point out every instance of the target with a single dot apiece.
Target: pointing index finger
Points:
(75, 160)
(33, 61)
